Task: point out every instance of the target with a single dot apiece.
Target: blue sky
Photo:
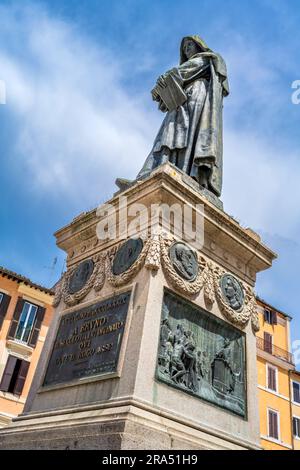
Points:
(79, 113)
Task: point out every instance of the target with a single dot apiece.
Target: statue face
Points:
(190, 48)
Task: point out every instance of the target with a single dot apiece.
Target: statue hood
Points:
(200, 42)
(218, 61)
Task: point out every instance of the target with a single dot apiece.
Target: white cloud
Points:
(261, 184)
(77, 127)
(261, 167)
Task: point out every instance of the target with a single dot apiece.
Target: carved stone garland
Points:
(96, 280)
(173, 277)
(148, 256)
(239, 317)
(154, 253)
(208, 278)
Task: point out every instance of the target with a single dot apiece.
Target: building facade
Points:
(295, 399)
(275, 364)
(25, 314)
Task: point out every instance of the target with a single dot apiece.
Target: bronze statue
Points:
(191, 134)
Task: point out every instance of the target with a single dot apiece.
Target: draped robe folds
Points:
(191, 135)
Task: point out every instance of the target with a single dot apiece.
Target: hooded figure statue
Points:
(191, 134)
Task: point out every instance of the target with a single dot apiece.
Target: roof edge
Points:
(267, 304)
(19, 278)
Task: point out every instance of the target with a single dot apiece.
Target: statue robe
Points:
(191, 135)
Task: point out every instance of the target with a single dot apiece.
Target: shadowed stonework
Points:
(202, 354)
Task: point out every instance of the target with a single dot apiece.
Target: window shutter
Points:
(294, 427)
(274, 318)
(297, 427)
(296, 392)
(16, 318)
(268, 342)
(266, 315)
(21, 377)
(273, 425)
(3, 307)
(272, 379)
(275, 418)
(37, 326)
(8, 372)
(269, 377)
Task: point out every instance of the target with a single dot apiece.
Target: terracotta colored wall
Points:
(12, 404)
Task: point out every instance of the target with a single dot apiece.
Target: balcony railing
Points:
(274, 350)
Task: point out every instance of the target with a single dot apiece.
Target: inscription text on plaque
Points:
(88, 341)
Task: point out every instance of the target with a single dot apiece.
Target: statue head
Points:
(191, 45)
(186, 258)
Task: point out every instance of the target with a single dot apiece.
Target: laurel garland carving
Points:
(190, 288)
(251, 307)
(155, 253)
(101, 274)
(208, 278)
(96, 280)
(58, 292)
(125, 277)
(238, 317)
(208, 282)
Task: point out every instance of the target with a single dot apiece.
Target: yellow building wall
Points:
(282, 377)
(279, 401)
(279, 332)
(296, 412)
(268, 400)
(296, 409)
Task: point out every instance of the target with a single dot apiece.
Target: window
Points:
(272, 378)
(14, 375)
(26, 322)
(296, 427)
(296, 392)
(273, 422)
(268, 341)
(270, 316)
(1, 297)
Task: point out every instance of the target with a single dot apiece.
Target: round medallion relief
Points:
(184, 261)
(80, 276)
(126, 255)
(233, 291)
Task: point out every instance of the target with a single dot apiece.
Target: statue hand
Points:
(155, 95)
(162, 107)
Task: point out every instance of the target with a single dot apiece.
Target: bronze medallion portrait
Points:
(126, 255)
(184, 261)
(80, 276)
(233, 292)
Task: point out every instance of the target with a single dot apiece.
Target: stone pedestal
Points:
(125, 395)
